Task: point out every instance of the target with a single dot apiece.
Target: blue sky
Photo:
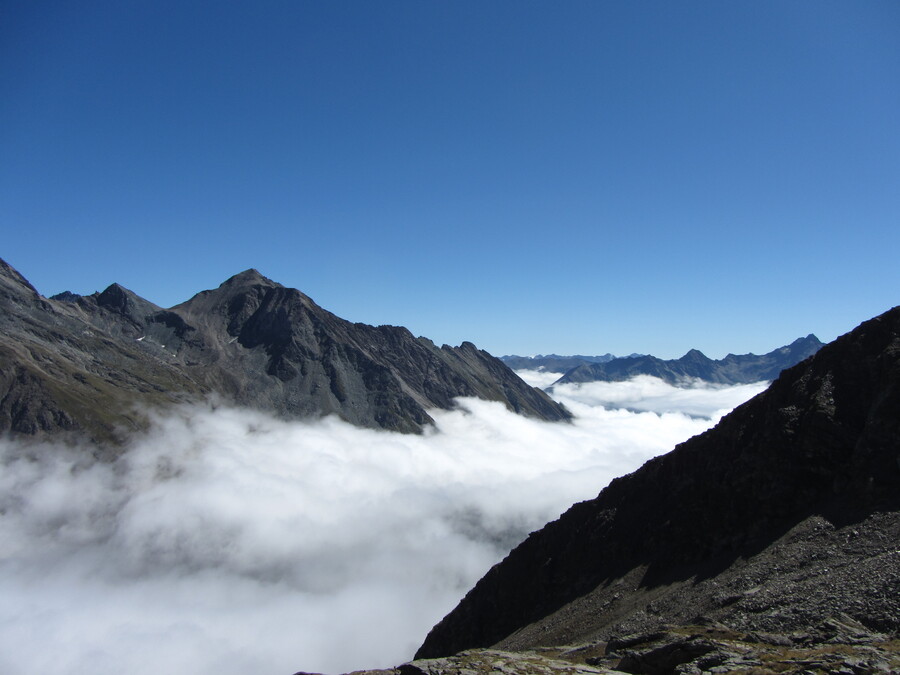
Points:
(577, 177)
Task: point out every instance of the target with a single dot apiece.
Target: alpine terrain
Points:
(96, 364)
(733, 369)
(768, 544)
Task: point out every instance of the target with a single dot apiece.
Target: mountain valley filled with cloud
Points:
(223, 540)
(257, 260)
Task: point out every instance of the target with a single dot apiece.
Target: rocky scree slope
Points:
(785, 514)
(733, 369)
(836, 645)
(91, 364)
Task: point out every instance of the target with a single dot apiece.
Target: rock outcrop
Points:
(835, 645)
(95, 364)
(733, 369)
(785, 514)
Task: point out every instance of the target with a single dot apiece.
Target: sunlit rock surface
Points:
(96, 364)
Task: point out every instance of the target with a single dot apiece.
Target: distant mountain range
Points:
(766, 544)
(553, 363)
(96, 364)
(733, 369)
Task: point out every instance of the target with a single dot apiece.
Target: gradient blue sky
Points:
(570, 177)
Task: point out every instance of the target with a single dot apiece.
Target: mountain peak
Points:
(248, 277)
(251, 342)
(11, 282)
(733, 369)
(116, 298)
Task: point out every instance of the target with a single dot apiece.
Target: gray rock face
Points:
(71, 365)
(94, 363)
(733, 369)
(784, 514)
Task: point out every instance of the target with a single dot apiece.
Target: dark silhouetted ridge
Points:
(786, 513)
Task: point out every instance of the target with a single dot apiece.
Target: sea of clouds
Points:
(224, 541)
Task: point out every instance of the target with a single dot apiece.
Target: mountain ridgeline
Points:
(784, 514)
(553, 363)
(733, 369)
(96, 364)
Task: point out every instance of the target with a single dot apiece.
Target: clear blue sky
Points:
(577, 177)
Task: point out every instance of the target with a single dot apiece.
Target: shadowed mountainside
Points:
(784, 514)
(733, 369)
(94, 364)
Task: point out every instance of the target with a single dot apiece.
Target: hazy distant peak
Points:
(733, 369)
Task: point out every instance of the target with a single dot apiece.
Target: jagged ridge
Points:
(93, 363)
(733, 369)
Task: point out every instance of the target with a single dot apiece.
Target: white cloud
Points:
(539, 378)
(645, 393)
(225, 541)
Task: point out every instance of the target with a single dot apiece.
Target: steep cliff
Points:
(786, 513)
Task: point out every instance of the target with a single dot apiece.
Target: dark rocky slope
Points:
(92, 364)
(733, 369)
(783, 515)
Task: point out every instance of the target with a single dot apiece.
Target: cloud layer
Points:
(645, 393)
(224, 541)
(539, 378)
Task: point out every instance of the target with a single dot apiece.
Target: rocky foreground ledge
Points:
(837, 645)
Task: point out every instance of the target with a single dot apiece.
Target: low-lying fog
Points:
(228, 542)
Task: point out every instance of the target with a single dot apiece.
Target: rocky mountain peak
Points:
(116, 309)
(88, 362)
(806, 342)
(694, 355)
(117, 298)
(14, 286)
(66, 296)
(249, 277)
(252, 306)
